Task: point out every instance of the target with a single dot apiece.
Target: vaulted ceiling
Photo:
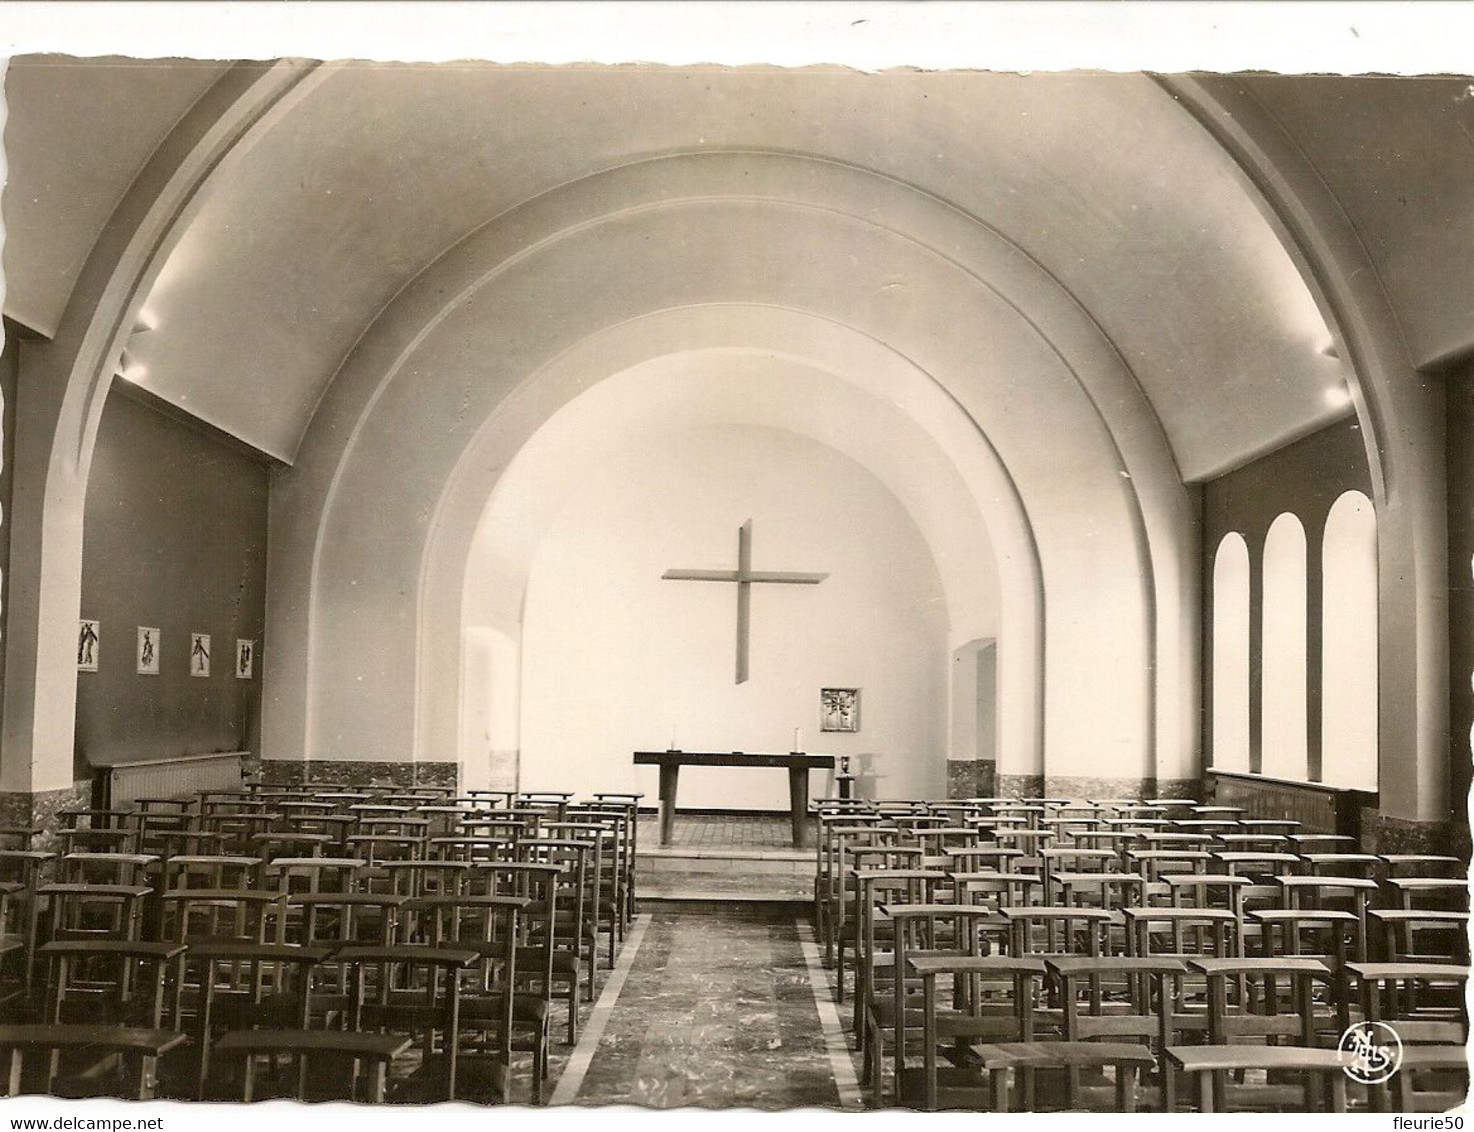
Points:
(357, 187)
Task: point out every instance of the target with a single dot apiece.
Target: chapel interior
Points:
(735, 586)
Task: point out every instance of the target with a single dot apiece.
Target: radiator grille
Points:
(172, 778)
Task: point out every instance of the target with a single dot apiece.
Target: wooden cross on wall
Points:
(745, 577)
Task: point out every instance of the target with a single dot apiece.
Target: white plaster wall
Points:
(615, 657)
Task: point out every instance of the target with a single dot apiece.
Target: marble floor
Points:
(715, 1008)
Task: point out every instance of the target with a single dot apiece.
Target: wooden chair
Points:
(1106, 890)
(891, 1018)
(604, 902)
(1322, 1071)
(1141, 1014)
(245, 914)
(983, 1078)
(492, 928)
(1447, 1065)
(1423, 1004)
(290, 843)
(1449, 893)
(428, 877)
(629, 805)
(117, 982)
(97, 911)
(835, 873)
(138, 1049)
(1057, 931)
(1275, 1005)
(361, 1060)
(81, 867)
(1352, 894)
(242, 985)
(886, 853)
(1209, 930)
(874, 935)
(1343, 864)
(23, 872)
(575, 936)
(335, 920)
(537, 883)
(1402, 927)
(996, 890)
(1421, 864)
(1317, 932)
(618, 823)
(313, 874)
(414, 989)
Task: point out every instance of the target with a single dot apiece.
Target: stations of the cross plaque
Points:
(745, 578)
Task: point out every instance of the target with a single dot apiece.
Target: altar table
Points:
(798, 764)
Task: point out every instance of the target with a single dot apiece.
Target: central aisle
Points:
(717, 1007)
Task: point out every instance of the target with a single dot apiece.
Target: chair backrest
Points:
(1152, 931)
(242, 914)
(335, 919)
(1142, 1012)
(1057, 931)
(125, 982)
(1262, 998)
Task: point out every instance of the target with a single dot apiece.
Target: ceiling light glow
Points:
(131, 369)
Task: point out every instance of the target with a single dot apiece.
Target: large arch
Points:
(917, 444)
(998, 336)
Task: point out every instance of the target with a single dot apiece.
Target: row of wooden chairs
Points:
(1095, 892)
(328, 959)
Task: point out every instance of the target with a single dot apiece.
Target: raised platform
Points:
(722, 858)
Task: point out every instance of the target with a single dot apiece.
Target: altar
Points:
(798, 763)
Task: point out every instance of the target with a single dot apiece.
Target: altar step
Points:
(725, 875)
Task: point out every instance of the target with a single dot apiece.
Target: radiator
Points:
(182, 777)
(1318, 809)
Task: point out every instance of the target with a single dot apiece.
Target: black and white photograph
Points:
(148, 651)
(1103, 422)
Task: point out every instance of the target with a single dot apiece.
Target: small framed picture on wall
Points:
(148, 651)
(199, 654)
(839, 709)
(89, 637)
(245, 659)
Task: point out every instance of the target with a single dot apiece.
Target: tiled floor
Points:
(722, 831)
(717, 1011)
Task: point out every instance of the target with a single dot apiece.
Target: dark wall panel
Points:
(175, 538)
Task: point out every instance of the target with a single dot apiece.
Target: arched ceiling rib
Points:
(307, 234)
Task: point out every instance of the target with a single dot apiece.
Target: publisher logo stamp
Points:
(1375, 1049)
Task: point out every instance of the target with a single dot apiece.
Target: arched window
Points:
(1284, 731)
(1349, 644)
(1231, 654)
